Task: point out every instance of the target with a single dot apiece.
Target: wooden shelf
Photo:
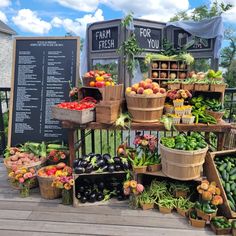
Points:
(96, 173)
(161, 174)
(158, 69)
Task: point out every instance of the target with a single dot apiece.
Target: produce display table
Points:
(220, 129)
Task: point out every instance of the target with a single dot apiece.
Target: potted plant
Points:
(209, 200)
(174, 84)
(183, 205)
(188, 84)
(132, 188)
(220, 225)
(166, 204)
(65, 181)
(154, 163)
(56, 156)
(146, 147)
(179, 189)
(146, 201)
(196, 221)
(23, 178)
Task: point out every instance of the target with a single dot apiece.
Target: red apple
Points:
(100, 84)
(142, 84)
(140, 90)
(162, 90)
(148, 86)
(148, 80)
(164, 66)
(135, 87)
(154, 65)
(156, 90)
(174, 66)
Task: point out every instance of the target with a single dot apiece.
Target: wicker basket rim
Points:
(190, 153)
(216, 112)
(146, 96)
(26, 166)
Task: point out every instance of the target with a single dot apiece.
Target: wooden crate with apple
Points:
(168, 70)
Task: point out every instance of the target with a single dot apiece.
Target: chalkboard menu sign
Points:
(105, 39)
(192, 43)
(43, 69)
(148, 38)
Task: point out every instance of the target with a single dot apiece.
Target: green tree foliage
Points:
(201, 12)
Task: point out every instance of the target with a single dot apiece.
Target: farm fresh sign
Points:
(148, 38)
(105, 39)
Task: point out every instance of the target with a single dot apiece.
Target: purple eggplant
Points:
(75, 162)
(83, 199)
(92, 198)
(79, 170)
(89, 168)
(100, 163)
(111, 168)
(83, 163)
(117, 160)
(81, 188)
(105, 168)
(117, 167)
(100, 197)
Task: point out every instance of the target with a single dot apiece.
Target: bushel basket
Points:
(145, 108)
(180, 164)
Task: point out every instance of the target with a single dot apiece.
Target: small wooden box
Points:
(212, 175)
(78, 117)
(107, 112)
(109, 93)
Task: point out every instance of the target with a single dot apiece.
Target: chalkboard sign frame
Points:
(105, 28)
(198, 50)
(152, 28)
(16, 39)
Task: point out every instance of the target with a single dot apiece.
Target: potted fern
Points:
(183, 205)
(146, 201)
(166, 204)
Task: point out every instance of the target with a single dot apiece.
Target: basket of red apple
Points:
(145, 101)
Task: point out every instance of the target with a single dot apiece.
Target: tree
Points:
(201, 12)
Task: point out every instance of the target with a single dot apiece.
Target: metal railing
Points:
(4, 108)
(102, 140)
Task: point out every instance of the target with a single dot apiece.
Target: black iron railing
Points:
(4, 111)
(230, 104)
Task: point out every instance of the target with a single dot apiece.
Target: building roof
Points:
(6, 29)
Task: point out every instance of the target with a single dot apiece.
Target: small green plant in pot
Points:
(179, 189)
(183, 205)
(146, 201)
(166, 204)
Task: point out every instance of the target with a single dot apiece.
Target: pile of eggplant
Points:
(102, 189)
(100, 163)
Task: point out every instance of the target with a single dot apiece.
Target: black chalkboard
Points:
(148, 38)
(182, 38)
(43, 69)
(105, 39)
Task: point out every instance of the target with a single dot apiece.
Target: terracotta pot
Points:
(147, 206)
(181, 193)
(182, 212)
(197, 223)
(205, 216)
(154, 168)
(139, 169)
(165, 210)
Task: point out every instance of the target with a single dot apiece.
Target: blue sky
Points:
(56, 17)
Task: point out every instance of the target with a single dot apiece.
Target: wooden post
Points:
(71, 140)
(220, 141)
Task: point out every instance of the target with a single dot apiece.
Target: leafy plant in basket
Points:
(23, 178)
(159, 190)
(132, 188)
(64, 181)
(179, 189)
(146, 201)
(183, 205)
(166, 204)
(209, 199)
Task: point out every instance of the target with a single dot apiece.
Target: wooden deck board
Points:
(35, 216)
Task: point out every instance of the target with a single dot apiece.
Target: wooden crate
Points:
(212, 175)
(107, 112)
(78, 117)
(109, 93)
(76, 202)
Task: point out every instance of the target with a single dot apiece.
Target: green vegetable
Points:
(233, 171)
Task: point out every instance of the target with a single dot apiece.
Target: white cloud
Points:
(78, 26)
(29, 21)
(3, 17)
(150, 9)
(80, 5)
(5, 3)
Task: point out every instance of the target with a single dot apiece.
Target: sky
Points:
(58, 17)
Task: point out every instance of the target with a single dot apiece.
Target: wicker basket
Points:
(189, 87)
(33, 183)
(217, 115)
(46, 189)
(182, 165)
(201, 87)
(145, 108)
(35, 165)
(218, 88)
(174, 86)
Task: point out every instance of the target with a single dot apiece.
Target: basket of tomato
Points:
(81, 112)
